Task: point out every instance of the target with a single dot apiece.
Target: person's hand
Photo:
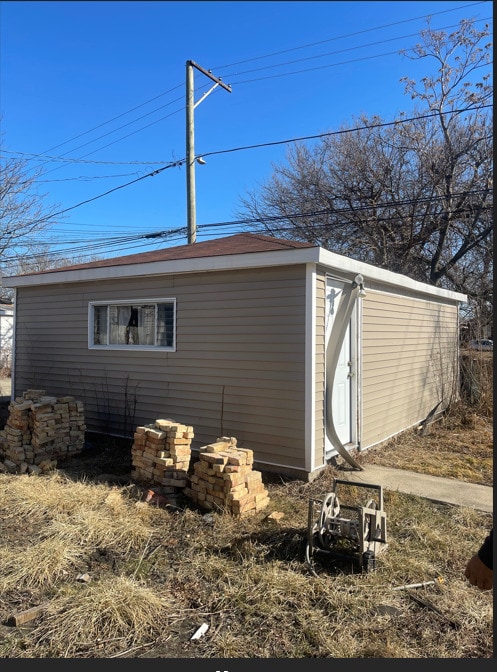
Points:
(478, 574)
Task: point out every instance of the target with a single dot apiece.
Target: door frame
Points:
(353, 332)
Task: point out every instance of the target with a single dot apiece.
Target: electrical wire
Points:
(257, 146)
(246, 81)
(109, 191)
(347, 36)
(147, 239)
(113, 142)
(340, 51)
(308, 214)
(109, 121)
(28, 155)
(182, 161)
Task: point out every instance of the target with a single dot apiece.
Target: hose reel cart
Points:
(347, 531)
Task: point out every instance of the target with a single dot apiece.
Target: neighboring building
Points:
(298, 352)
(6, 335)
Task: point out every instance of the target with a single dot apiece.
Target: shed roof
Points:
(240, 243)
(242, 250)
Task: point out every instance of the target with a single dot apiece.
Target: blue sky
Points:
(99, 87)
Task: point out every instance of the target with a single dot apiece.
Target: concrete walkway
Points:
(444, 490)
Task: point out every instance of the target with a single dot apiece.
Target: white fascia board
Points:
(368, 271)
(173, 266)
(316, 255)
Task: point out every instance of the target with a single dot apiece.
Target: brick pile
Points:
(39, 430)
(161, 455)
(223, 478)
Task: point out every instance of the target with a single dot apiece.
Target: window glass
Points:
(150, 324)
(100, 325)
(165, 324)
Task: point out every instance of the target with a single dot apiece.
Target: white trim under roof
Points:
(313, 255)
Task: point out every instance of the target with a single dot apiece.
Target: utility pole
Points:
(190, 142)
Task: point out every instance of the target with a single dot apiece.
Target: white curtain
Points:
(132, 325)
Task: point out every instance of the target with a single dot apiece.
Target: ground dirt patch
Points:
(121, 578)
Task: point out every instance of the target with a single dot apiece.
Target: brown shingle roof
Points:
(240, 243)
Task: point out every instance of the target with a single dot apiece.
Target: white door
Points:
(342, 383)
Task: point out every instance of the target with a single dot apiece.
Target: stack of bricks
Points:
(39, 430)
(161, 455)
(223, 479)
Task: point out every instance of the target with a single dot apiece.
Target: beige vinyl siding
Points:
(409, 361)
(238, 369)
(320, 370)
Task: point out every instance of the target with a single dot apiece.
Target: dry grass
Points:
(84, 619)
(458, 446)
(156, 573)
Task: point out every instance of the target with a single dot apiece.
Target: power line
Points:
(305, 46)
(256, 146)
(114, 141)
(94, 198)
(164, 93)
(340, 51)
(342, 37)
(148, 239)
(81, 178)
(251, 80)
(311, 213)
(69, 160)
(246, 81)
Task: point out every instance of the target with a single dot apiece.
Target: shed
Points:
(300, 353)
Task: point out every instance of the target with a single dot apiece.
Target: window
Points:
(142, 325)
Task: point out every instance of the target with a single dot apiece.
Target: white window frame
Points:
(131, 346)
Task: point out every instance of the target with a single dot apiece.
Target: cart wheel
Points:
(302, 549)
(368, 561)
(310, 560)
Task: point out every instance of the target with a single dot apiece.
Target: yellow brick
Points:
(177, 441)
(153, 433)
(253, 477)
(164, 423)
(232, 469)
(149, 454)
(239, 506)
(256, 488)
(234, 479)
(260, 496)
(182, 452)
(249, 454)
(238, 459)
(237, 494)
(164, 461)
(212, 458)
(262, 503)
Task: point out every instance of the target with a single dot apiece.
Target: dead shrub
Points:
(476, 382)
(119, 611)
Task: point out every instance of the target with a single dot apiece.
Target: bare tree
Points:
(23, 215)
(413, 195)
